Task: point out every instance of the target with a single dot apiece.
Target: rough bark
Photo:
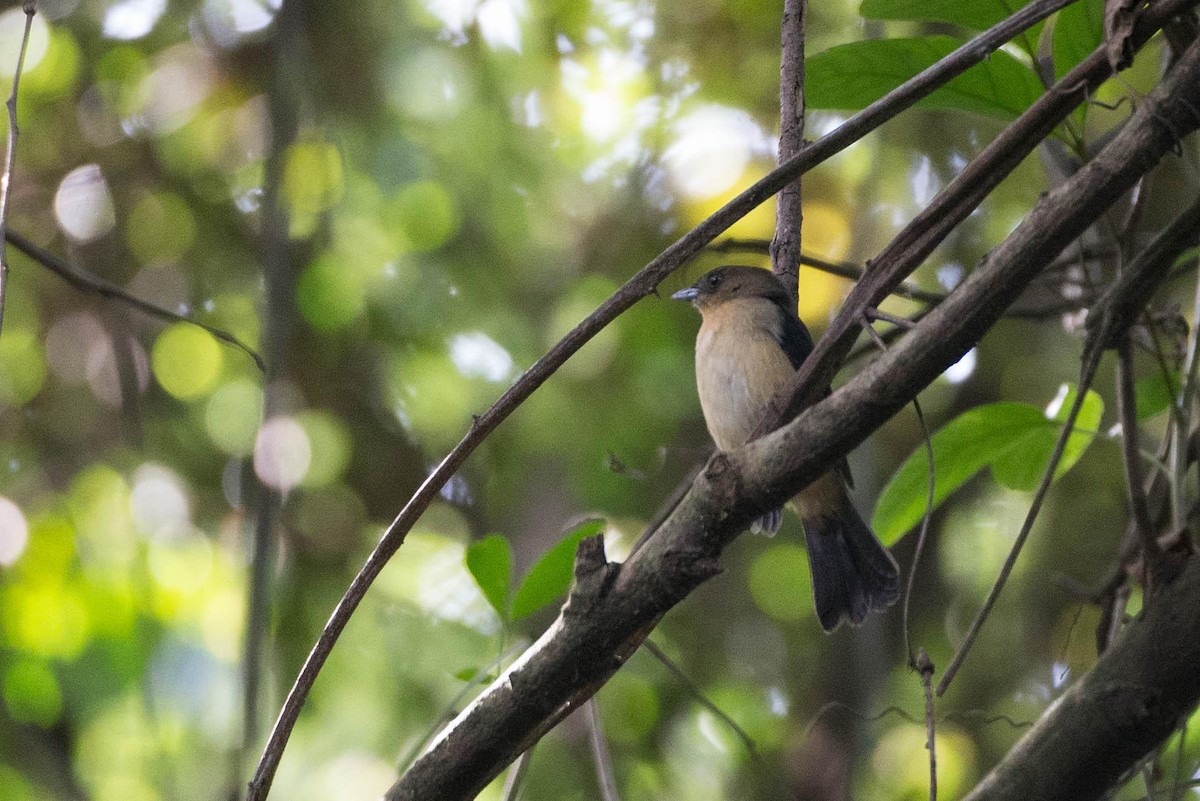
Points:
(1134, 698)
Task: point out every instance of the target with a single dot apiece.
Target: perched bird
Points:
(749, 344)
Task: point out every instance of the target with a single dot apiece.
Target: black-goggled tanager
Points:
(749, 345)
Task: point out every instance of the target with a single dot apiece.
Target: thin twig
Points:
(1086, 374)
(1180, 753)
(789, 214)
(829, 706)
(1127, 408)
(841, 269)
(448, 711)
(94, 285)
(643, 283)
(920, 662)
(701, 698)
(922, 534)
(924, 667)
(10, 157)
(600, 755)
(516, 776)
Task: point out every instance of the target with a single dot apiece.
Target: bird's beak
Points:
(689, 294)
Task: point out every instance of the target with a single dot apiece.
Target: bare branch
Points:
(10, 157)
(1140, 690)
(94, 285)
(1127, 409)
(924, 667)
(789, 214)
(605, 775)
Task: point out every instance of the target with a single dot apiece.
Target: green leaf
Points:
(551, 575)
(975, 14)
(472, 675)
(1021, 466)
(1010, 438)
(490, 562)
(1078, 30)
(852, 76)
(1154, 394)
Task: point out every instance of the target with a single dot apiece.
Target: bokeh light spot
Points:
(186, 361)
(46, 618)
(159, 502)
(12, 29)
(313, 180)
(233, 415)
(83, 205)
(901, 761)
(14, 532)
(432, 575)
(330, 296)
(282, 453)
(424, 213)
(22, 366)
(160, 229)
(711, 150)
(476, 355)
(183, 566)
(331, 446)
(68, 342)
(132, 19)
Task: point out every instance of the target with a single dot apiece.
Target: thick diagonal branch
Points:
(604, 620)
(1124, 707)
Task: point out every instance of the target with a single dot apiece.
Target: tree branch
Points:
(789, 214)
(94, 285)
(1132, 700)
(10, 157)
(610, 608)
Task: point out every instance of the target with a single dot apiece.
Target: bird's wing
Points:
(797, 343)
(794, 338)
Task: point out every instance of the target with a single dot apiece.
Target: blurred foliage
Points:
(469, 180)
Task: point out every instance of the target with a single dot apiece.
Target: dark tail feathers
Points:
(853, 574)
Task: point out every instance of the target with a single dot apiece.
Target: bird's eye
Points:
(714, 279)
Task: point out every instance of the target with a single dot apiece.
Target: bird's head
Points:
(729, 283)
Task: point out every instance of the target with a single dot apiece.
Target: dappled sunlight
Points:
(14, 532)
(132, 19)
(282, 453)
(228, 21)
(431, 576)
(159, 501)
(712, 148)
(83, 205)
